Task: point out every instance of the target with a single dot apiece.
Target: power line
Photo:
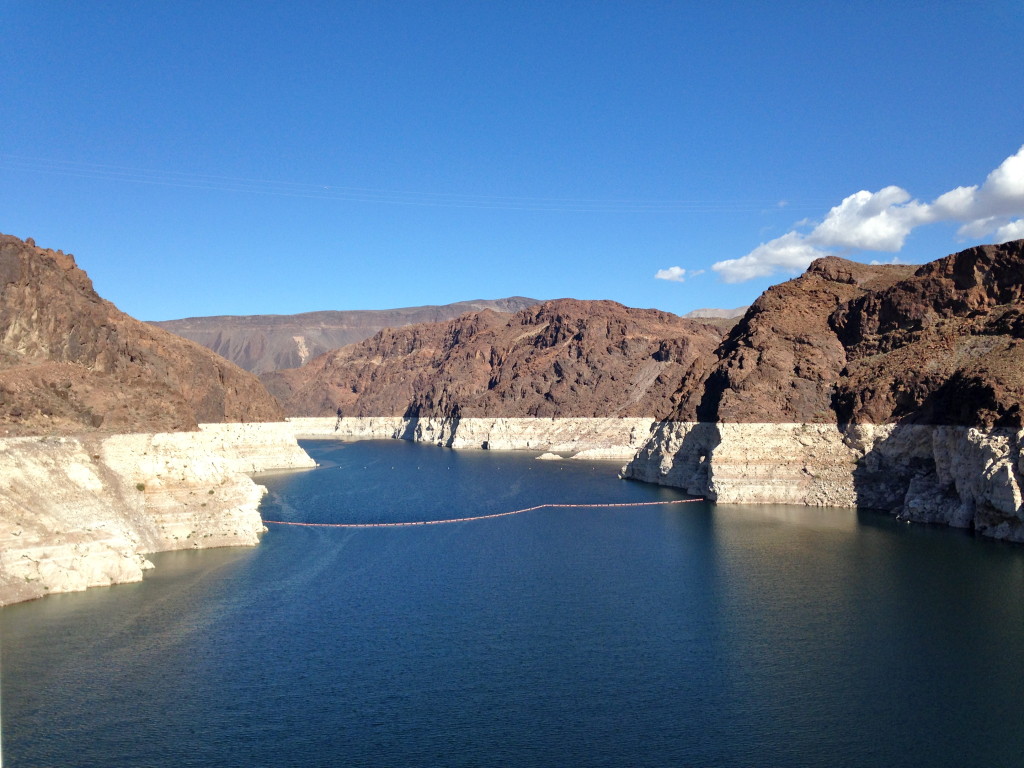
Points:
(344, 193)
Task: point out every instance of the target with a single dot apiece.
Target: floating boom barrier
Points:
(481, 517)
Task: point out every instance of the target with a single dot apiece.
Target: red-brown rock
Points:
(564, 358)
(71, 361)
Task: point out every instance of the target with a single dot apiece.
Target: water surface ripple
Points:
(643, 636)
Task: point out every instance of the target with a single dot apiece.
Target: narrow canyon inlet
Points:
(677, 634)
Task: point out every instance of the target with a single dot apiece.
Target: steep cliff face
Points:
(782, 360)
(70, 361)
(563, 359)
(262, 343)
(856, 343)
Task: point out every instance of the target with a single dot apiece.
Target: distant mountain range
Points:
(262, 343)
(722, 313)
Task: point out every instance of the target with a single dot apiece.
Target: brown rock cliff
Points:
(855, 343)
(71, 361)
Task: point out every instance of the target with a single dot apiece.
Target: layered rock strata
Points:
(78, 512)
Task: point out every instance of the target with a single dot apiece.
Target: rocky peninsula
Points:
(116, 438)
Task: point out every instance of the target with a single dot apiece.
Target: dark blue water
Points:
(680, 635)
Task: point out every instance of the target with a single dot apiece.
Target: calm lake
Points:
(676, 635)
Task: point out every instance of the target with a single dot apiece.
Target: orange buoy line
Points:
(481, 517)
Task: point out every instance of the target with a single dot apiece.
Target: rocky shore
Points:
(84, 511)
(964, 477)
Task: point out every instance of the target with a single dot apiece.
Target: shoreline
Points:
(84, 511)
(110, 500)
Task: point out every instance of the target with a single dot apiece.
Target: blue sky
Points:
(257, 157)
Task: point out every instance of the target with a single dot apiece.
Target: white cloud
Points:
(870, 221)
(675, 274)
(789, 252)
(1013, 230)
(881, 221)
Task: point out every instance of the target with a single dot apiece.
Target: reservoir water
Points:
(676, 635)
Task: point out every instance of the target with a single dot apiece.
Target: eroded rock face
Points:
(561, 359)
(855, 343)
(964, 477)
(781, 362)
(70, 361)
(944, 346)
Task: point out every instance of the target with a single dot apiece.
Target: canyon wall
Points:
(561, 359)
(83, 511)
(71, 362)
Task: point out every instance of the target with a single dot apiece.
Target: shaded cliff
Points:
(262, 343)
(71, 361)
(781, 361)
(563, 358)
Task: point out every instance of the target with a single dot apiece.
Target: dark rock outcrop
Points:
(940, 347)
(851, 343)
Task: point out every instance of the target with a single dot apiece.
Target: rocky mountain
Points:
(856, 343)
(261, 343)
(895, 388)
(71, 361)
(563, 358)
